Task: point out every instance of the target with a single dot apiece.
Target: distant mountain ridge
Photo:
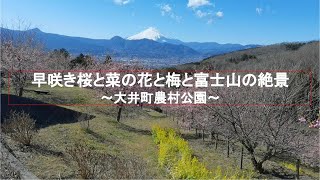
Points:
(205, 48)
(146, 44)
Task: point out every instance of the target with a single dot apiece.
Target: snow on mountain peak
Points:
(150, 33)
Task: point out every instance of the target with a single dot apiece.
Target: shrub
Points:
(20, 127)
(244, 57)
(231, 173)
(303, 170)
(86, 159)
(176, 157)
(97, 165)
(190, 168)
(158, 134)
(293, 46)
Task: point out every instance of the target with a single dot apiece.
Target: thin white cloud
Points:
(176, 17)
(121, 2)
(206, 13)
(219, 14)
(198, 3)
(259, 11)
(209, 16)
(201, 14)
(167, 10)
(210, 21)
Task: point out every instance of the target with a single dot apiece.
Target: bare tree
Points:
(85, 117)
(20, 51)
(274, 130)
(58, 59)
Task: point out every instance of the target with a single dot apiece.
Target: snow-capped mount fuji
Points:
(154, 34)
(150, 33)
(205, 48)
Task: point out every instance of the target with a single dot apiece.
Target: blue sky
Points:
(223, 21)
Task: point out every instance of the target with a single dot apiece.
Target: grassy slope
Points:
(268, 57)
(105, 134)
(129, 138)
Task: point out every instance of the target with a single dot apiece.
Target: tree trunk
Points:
(212, 135)
(298, 169)
(228, 148)
(241, 158)
(216, 143)
(20, 91)
(202, 134)
(119, 113)
(196, 132)
(257, 165)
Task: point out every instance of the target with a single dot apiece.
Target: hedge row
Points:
(175, 156)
